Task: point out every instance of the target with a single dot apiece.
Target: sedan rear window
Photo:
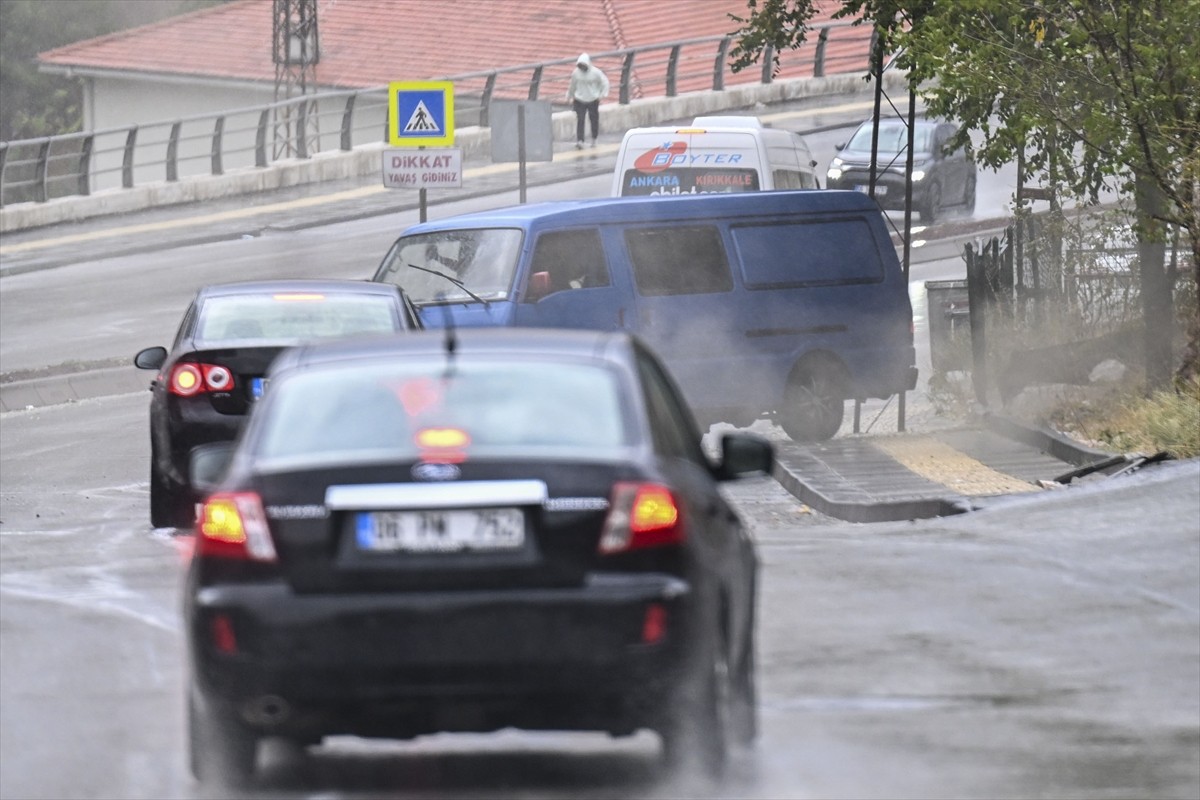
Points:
(295, 315)
(445, 411)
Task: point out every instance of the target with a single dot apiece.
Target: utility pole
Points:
(296, 49)
(880, 48)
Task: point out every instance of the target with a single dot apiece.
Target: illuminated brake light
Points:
(642, 515)
(438, 438)
(233, 525)
(188, 379)
(448, 445)
(302, 297)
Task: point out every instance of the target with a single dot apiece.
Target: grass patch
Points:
(1128, 423)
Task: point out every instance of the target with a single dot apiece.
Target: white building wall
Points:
(113, 102)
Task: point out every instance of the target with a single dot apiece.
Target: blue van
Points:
(776, 304)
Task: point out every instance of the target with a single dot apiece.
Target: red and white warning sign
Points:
(423, 169)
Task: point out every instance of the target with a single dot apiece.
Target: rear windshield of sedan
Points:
(445, 411)
(295, 315)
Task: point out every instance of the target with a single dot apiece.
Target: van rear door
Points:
(689, 161)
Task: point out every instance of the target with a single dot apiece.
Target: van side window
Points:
(787, 179)
(793, 179)
(572, 259)
(678, 260)
(823, 253)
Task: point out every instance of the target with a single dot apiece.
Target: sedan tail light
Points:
(233, 525)
(642, 515)
(188, 379)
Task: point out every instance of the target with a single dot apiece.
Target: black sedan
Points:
(940, 178)
(466, 532)
(214, 371)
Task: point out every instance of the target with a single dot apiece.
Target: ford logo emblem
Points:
(427, 471)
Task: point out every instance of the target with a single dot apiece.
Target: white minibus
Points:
(712, 155)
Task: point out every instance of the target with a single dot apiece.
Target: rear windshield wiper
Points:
(456, 281)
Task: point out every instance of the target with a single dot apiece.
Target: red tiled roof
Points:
(366, 43)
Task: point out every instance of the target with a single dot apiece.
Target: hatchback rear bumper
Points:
(402, 664)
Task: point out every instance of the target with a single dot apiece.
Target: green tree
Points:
(1091, 92)
(35, 104)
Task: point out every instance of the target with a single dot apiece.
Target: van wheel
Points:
(813, 404)
(933, 203)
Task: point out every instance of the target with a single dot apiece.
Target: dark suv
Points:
(939, 179)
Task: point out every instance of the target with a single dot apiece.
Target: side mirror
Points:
(150, 358)
(207, 465)
(539, 287)
(744, 454)
(840, 146)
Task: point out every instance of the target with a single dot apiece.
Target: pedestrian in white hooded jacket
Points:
(588, 87)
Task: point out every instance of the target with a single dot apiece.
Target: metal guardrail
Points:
(37, 170)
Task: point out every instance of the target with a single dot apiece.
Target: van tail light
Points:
(641, 515)
(233, 525)
(188, 379)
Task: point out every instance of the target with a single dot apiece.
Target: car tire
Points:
(220, 748)
(745, 697)
(697, 735)
(170, 506)
(969, 195)
(814, 403)
(932, 206)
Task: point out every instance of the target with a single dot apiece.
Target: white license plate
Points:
(880, 189)
(441, 531)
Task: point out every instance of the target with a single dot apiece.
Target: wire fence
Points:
(37, 170)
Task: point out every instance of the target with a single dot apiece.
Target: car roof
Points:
(296, 285)
(551, 343)
(698, 207)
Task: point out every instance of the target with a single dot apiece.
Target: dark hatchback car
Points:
(940, 179)
(466, 532)
(213, 373)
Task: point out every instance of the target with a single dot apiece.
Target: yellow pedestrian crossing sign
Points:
(421, 113)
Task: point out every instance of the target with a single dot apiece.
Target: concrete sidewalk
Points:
(935, 474)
